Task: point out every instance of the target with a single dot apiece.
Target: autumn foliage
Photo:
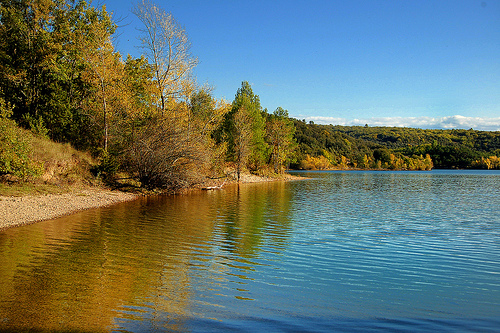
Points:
(147, 119)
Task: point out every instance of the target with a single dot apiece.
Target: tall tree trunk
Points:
(105, 111)
(238, 168)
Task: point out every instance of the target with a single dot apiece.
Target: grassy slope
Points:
(64, 168)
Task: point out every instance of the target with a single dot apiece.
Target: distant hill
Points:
(362, 146)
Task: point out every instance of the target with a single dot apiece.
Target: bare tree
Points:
(168, 49)
(162, 155)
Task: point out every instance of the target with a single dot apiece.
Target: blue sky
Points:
(415, 63)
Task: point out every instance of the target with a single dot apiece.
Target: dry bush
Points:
(165, 154)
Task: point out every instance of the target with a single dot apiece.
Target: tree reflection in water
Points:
(153, 261)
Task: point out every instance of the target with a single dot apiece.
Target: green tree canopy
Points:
(43, 44)
(246, 100)
(280, 136)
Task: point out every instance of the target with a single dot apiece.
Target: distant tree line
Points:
(399, 148)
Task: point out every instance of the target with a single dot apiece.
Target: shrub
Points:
(107, 167)
(15, 148)
(165, 155)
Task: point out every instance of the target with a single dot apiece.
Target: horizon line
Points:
(424, 122)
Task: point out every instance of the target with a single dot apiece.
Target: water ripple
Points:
(350, 252)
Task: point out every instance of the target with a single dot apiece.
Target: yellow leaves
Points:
(366, 161)
(343, 162)
(209, 113)
(167, 48)
(222, 107)
(490, 163)
(315, 163)
(395, 162)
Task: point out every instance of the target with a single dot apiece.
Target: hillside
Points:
(354, 146)
(35, 164)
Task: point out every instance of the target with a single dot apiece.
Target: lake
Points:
(340, 251)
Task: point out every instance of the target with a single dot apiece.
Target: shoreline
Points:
(18, 211)
(23, 210)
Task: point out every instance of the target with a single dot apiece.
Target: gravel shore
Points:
(15, 211)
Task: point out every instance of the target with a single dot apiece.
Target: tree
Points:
(168, 49)
(177, 151)
(207, 112)
(104, 68)
(205, 116)
(26, 54)
(139, 80)
(280, 135)
(74, 31)
(44, 52)
(242, 124)
(246, 101)
(383, 155)
(160, 154)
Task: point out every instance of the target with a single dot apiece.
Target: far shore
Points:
(22, 210)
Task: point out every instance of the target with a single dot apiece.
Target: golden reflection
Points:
(90, 271)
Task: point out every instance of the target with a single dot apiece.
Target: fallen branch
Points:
(210, 188)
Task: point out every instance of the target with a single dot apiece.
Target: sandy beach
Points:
(15, 211)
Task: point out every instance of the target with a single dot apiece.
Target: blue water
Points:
(340, 251)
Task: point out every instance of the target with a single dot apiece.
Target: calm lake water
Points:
(342, 251)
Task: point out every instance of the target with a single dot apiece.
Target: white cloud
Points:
(451, 122)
